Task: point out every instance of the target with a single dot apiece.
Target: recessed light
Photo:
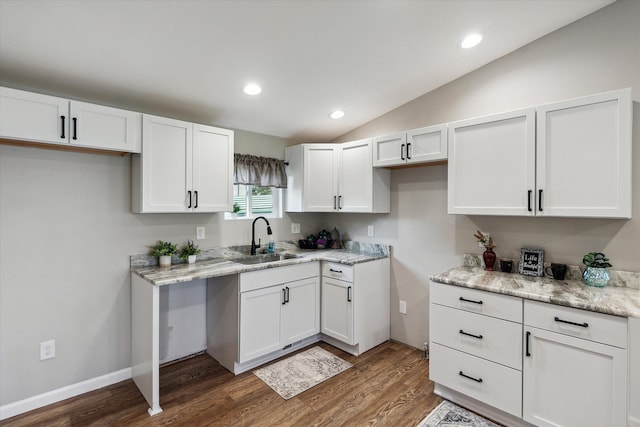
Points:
(471, 41)
(252, 89)
(338, 114)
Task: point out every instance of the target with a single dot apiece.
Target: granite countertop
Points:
(222, 262)
(616, 300)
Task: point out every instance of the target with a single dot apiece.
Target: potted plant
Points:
(163, 250)
(189, 251)
(236, 209)
(596, 272)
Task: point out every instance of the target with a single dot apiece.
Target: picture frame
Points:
(531, 262)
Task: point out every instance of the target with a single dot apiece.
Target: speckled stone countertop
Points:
(222, 261)
(616, 300)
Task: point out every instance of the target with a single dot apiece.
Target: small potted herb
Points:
(189, 251)
(164, 251)
(596, 272)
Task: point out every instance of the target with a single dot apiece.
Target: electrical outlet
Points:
(295, 228)
(370, 231)
(200, 232)
(403, 307)
(47, 349)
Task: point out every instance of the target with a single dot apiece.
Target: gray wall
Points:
(66, 233)
(598, 53)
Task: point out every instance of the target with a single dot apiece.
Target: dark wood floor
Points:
(387, 386)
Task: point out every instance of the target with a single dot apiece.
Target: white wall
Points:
(66, 233)
(601, 52)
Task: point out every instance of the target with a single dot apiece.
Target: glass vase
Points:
(596, 276)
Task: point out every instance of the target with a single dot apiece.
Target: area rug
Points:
(301, 371)
(448, 414)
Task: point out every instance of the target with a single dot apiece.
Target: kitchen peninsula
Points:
(250, 299)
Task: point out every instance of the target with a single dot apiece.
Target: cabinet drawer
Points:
(275, 276)
(487, 337)
(337, 271)
(598, 327)
(482, 302)
(493, 384)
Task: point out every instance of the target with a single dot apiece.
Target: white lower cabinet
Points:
(355, 305)
(541, 364)
(570, 381)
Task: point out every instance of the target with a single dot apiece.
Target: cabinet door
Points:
(301, 313)
(427, 144)
(492, 165)
(584, 156)
(166, 165)
(212, 169)
(97, 126)
(33, 117)
(320, 177)
(355, 178)
(569, 381)
(260, 322)
(337, 310)
(389, 150)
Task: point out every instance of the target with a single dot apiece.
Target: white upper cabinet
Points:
(492, 164)
(575, 162)
(422, 145)
(33, 117)
(335, 178)
(584, 156)
(184, 167)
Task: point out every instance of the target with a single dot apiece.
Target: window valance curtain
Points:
(259, 171)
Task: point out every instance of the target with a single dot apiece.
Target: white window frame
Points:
(278, 197)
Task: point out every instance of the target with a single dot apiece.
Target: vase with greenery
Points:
(488, 256)
(164, 251)
(596, 272)
(189, 251)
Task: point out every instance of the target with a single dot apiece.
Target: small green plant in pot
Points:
(189, 251)
(164, 251)
(596, 272)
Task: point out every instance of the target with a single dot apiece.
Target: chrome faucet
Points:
(253, 234)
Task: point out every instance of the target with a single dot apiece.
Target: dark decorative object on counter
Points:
(506, 265)
(531, 262)
(596, 272)
(489, 257)
(335, 239)
(557, 271)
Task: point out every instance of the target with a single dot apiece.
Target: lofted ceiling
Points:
(190, 59)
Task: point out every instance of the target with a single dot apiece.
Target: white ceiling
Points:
(190, 59)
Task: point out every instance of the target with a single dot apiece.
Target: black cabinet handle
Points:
(339, 202)
(75, 128)
(540, 200)
(349, 294)
(196, 194)
(462, 374)
(62, 135)
(583, 325)
(335, 271)
(408, 148)
(287, 288)
(529, 201)
(402, 152)
(470, 300)
(335, 203)
(284, 296)
(526, 351)
(470, 335)
(189, 198)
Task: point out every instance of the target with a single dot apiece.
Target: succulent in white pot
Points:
(164, 251)
(189, 252)
(596, 272)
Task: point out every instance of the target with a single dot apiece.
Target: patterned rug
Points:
(448, 414)
(301, 371)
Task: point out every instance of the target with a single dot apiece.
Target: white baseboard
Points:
(21, 406)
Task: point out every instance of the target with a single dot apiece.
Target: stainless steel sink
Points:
(261, 259)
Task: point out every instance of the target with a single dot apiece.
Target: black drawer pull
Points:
(583, 325)
(470, 335)
(189, 198)
(335, 271)
(408, 152)
(529, 201)
(349, 294)
(75, 128)
(195, 193)
(402, 152)
(470, 300)
(540, 200)
(62, 135)
(462, 374)
(284, 296)
(527, 352)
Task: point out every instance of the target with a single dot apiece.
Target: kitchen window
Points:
(253, 201)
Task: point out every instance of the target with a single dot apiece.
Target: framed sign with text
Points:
(531, 262)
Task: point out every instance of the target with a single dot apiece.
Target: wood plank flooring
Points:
(387, 386)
